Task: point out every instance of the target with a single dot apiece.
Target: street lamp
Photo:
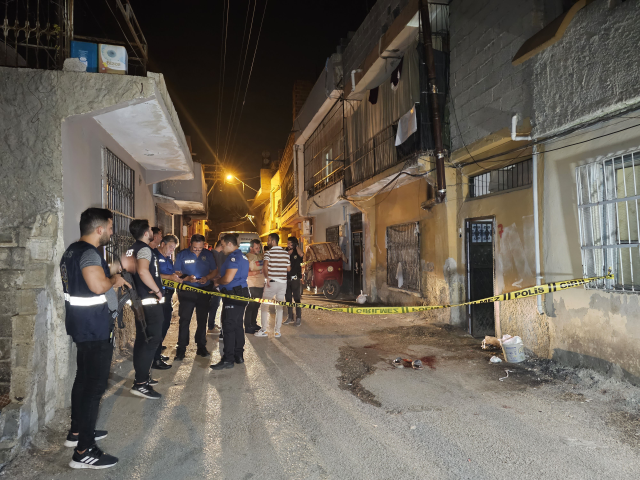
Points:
(232, 177)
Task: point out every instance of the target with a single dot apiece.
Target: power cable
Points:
(239, 75)
(224, 64)
(249, 78)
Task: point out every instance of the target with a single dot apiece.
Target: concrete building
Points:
(90, 140)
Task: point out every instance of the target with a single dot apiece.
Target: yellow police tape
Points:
(518, 294)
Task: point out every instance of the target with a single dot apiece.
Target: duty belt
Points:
(85, 301)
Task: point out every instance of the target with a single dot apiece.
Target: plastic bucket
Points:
(513, 352)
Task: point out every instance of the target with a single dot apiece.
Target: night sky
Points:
(185, 41)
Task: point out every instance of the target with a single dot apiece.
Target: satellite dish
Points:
(266, 158)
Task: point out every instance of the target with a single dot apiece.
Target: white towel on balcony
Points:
(407, 125)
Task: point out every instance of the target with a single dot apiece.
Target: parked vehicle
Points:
(244, 239)
(323, 268)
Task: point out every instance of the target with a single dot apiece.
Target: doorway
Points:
(480, 275)
(358, 252)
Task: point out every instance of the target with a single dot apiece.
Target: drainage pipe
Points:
(536, 228)
(436, 123)
(514, 135)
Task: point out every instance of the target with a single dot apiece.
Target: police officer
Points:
(294, 280)
(200, 268)
(163, 253)
(148, 284)
(87, 284)
(233, 281)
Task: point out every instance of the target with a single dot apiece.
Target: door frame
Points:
(496, 305)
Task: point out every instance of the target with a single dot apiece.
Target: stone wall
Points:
(36, 355)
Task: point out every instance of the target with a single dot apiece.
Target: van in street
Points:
(244, 239)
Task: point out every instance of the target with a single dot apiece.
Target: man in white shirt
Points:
(276, 265)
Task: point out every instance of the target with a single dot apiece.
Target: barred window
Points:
(118, 182)
(506, 178)
(333, 235)
(403, 256)
(608, 194)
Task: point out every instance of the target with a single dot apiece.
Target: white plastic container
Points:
(513, 349)
(112, 59)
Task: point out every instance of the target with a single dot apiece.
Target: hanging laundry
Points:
(373, 95)
(407, 125)
(395, 75)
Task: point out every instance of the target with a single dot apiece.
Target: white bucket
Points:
(513, 349)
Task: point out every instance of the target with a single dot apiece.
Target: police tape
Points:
(517, 295)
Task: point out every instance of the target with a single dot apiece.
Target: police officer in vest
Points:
(199, 268)
(148, 284)
(233, 281)
(163, 253)
(87, 284)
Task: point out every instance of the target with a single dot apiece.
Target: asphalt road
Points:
(324, 402)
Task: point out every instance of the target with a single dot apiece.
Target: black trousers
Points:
(293, 290)
(233, 344)
(214, 303)
(143, 352)
(188, 302)
(251, 312)
(92, 374)
(167, 312)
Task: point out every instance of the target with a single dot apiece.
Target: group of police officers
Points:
(91, 299)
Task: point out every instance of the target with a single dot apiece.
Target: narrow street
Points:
(324, 401)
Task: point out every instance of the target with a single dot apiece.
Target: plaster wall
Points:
(587, 327)
(83, 140)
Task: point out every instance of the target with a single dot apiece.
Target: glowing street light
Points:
(229, 177)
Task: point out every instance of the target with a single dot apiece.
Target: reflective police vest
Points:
(140, 286)
(87, 316)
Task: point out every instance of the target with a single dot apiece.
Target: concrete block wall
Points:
(366, 38)
(486, 89)
(593, 70)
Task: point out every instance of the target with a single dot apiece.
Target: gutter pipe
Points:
(430, 64)
(536, 213)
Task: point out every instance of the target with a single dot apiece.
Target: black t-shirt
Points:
(296, 265)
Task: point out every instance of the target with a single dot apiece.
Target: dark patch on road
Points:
(628, 424)
(354, 364)
(429, 361)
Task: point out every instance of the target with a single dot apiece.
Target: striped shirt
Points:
(279, 260)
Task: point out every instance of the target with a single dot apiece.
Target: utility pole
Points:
(436, 122)
(212, 175)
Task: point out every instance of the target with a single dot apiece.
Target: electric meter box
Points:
(87, 53)
(112, 59)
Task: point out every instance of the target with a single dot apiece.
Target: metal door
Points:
(480, 276)
(356, 238)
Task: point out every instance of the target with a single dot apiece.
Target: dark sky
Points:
(185, 40)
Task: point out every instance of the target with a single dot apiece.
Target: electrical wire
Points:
(249, 78)
(239, 75)
(227, 7)
(118, 22)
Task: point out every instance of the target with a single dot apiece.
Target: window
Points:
(118, 181)
(403, 256)
(333, 235)
(608, 194)
(506, 178)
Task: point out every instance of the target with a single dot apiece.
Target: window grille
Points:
(119, 197)
(333, 235)
(323, 152)
(608, 194)
(506, 178)
(403, 256)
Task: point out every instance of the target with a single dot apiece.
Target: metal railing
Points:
(35, 33)
(119, 197)
(288, 188)
(502, 179)
(609, 221)
(373, 157)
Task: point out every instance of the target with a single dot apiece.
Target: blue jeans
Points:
(213, 310)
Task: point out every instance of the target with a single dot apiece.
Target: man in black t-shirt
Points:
(294, 280)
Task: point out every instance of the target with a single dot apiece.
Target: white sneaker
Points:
(261, 333)
(277, 335)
